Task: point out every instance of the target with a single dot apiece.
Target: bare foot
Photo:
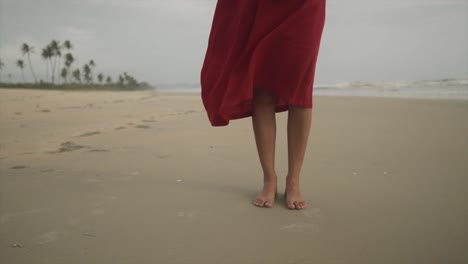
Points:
(266, 198)
(293, 196)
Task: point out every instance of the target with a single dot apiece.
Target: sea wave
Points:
(398, 84)
(455, 89)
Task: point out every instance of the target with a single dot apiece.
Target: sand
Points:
(141, 177)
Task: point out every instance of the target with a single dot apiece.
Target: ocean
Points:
(452, 89)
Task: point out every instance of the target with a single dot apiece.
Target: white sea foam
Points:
(429, 89)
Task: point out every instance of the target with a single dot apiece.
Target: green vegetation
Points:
(62, 74)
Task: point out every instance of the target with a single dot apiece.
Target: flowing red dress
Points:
(260, 44)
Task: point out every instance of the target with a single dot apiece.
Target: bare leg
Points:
(264, 126)
(299, 122)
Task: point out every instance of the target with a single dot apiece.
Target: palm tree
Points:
(56, 52)
(20, 64)
(64, 74)
(125, 75)
(77, 75)
(129, 79)
(9, 77)
(26, 49)
(47, 56)
(108, 80)
(1, 67)
(52, 65)
(67, 44)
(132, 81)
(100, 77)
(121, 80)
(69, 59)
(87, 73)
(92, 65)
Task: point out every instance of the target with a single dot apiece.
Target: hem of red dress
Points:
(223, 120)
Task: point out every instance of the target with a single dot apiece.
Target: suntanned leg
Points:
(299, 122)
(264, 126)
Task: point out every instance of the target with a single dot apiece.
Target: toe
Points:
(257, 202)
(291, 205)
(261, 203)
(304, 204)
(297, 204)
(300, 204)
(268, 204)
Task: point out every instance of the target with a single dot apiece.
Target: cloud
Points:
(182, 8)
(71, 32)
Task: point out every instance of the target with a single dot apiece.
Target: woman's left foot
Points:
(293, 196)
(266, 198)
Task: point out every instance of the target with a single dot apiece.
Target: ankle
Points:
(292, 181)
(269, 179)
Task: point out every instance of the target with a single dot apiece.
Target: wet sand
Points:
(141, 177)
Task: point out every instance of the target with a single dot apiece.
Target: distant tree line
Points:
(62, 73)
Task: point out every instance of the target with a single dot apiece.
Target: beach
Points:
(142, 177)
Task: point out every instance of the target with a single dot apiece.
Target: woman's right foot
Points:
(266, 198)
(293, 196)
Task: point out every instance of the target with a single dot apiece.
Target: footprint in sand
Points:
(71, 107)
(27, 153)
(313, 213)
(44, 110)
(118, 101)
(186, 216)
(17, 113)
(47, 237)
(97, 211)
(130, 176)
(148, 97)
(18, 167)
(98, 150)
(143, 126)
(148, 120)
(130, 124)
(90, 234)
(67, 146)
(93, 180)
(120, 127)
(87, 134)
(299, 227)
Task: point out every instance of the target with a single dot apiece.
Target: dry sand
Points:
(139, 177)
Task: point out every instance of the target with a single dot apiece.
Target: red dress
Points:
(269, 44)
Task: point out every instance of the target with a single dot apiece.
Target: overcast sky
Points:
(164, 41)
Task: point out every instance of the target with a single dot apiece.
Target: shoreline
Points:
(445, 89)
(193, 92)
